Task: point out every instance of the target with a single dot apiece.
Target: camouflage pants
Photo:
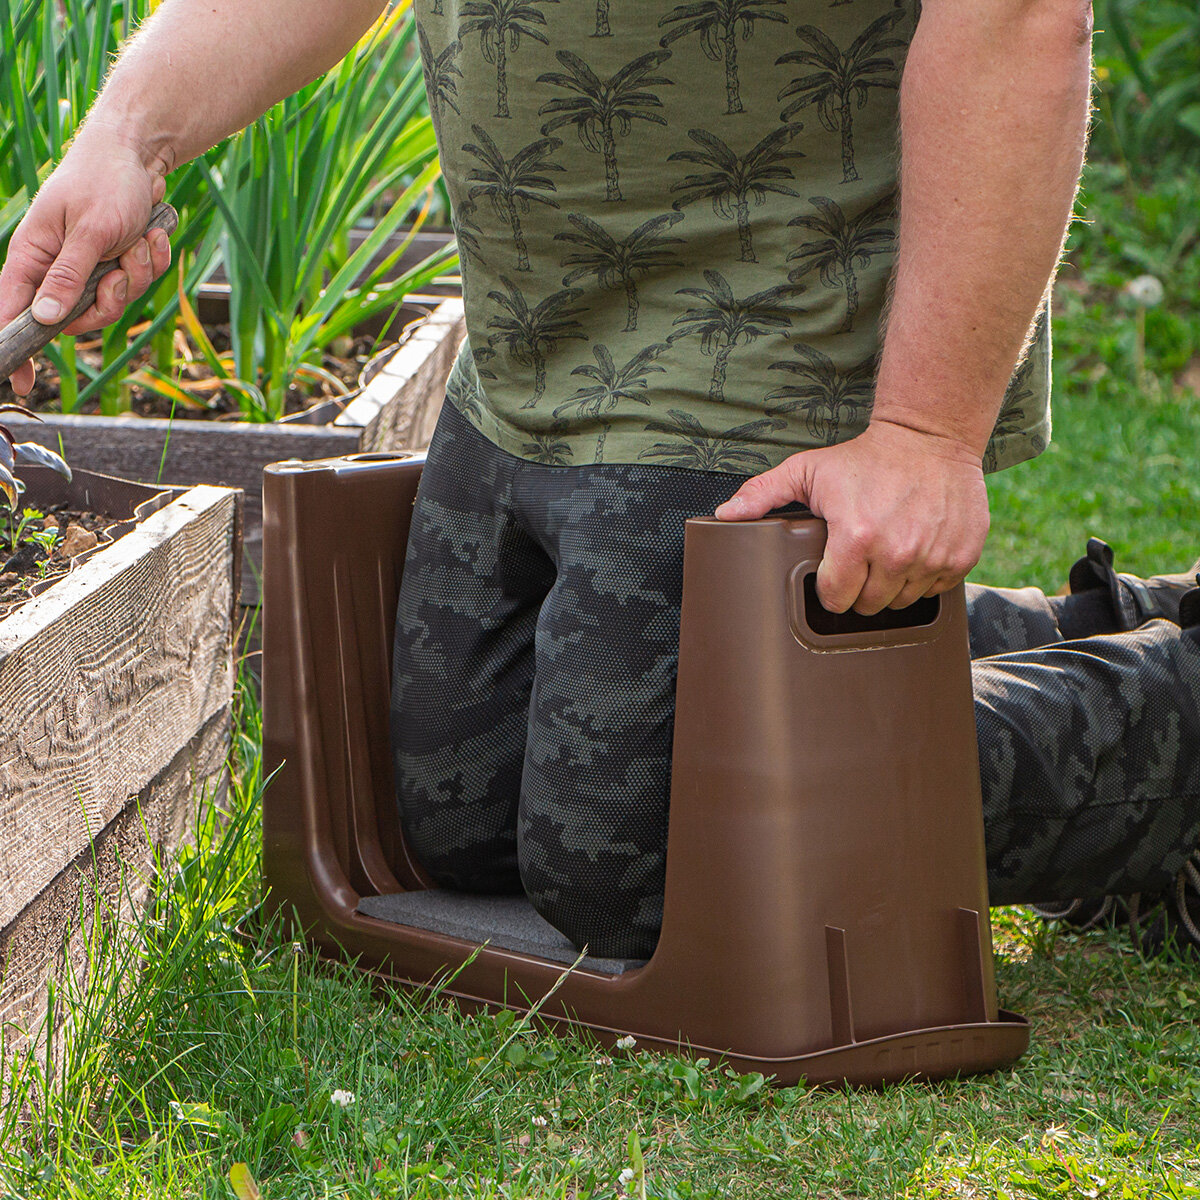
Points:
(534, 678)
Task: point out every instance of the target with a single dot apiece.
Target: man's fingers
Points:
(139, 269)
(938, 586)
(63, 284)
(881, 589)
(782, 485)
(112, 294)
(23, 379)
(840, 579)
(911, 592)
(160, 250)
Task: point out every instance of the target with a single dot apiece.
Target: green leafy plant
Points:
(46, 539)
(1148, 70)
(13, 452)
(274, 208)
(292, 187)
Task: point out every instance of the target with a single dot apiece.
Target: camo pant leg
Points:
(593, 829)
(534, 680)
(1001, 620)
(463, 664)
(1090, 763)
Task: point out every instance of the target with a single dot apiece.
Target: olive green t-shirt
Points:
(677, 224)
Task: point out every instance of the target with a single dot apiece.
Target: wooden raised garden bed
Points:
(116, 685)
(395, 409)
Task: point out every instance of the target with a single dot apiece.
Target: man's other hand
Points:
(907, 514)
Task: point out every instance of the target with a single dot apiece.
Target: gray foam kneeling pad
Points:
(506, 922)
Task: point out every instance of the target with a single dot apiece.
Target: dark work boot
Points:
(1189, 612)
(1135, 601)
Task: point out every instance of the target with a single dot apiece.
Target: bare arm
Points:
(994, 106)
(197, 71)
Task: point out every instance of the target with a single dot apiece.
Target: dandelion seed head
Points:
(1146, 290)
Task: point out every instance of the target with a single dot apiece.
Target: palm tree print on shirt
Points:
(501, 24)
(550, 449)
(531, 335)
(441, 75)
(512, 184)
(619, 264)
(694, 447)
(732, 181)
(462, 394)
(481, 360)
(601, 108)
(466, 231)
(823, 392)
(718, 23)
(1013, 418)
(723, 322)
(612, 385)
(836, 82)
(841, 246)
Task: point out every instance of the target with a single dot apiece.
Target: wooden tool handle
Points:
(24, 336)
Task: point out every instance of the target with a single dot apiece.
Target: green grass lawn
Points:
(231, 1043)
(229, 1052)
(1123, 464)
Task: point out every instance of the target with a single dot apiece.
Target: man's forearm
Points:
(199, 70)
(994, 105)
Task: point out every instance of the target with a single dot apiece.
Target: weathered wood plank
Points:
(151, 450)
(104, 677)
(229, 455)
(113, 874)
(398, 409)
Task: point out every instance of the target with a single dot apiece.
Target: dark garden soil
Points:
(208, 400)
(30, 565)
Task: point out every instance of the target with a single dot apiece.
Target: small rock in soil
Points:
(8, 579)
(25, 559)
(76, 541)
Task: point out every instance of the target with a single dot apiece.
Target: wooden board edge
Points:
(42, 611)
(447, 322)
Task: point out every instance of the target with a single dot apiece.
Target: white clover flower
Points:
(1146, 290)
(342, 1099)
(626, 1176)
(540, 1122)
(627, 1042)
(604, 1061)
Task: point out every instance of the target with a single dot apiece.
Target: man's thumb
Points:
(780, 486)
(62, 287)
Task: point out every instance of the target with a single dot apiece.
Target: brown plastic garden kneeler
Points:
(826, 899)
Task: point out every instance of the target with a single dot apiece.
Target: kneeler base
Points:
(826, 905)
